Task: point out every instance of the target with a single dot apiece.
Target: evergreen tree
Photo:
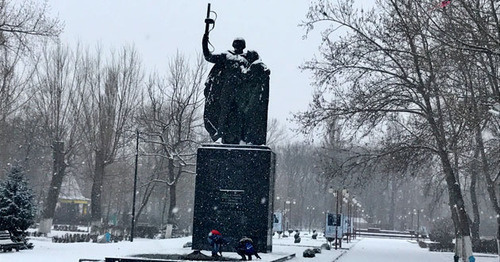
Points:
(17, 210)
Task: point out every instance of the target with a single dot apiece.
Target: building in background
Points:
(72, 207)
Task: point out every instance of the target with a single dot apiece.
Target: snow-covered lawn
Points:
(367, 249)
(46, 251)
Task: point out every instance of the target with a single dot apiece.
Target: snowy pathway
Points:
(389, 250)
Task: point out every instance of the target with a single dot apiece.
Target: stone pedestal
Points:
(234, 194)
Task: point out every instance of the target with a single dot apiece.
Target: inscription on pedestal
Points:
(231, 200)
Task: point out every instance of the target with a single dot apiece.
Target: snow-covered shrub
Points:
(17, 210)
(442, 231)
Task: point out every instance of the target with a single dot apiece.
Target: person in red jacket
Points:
(216, 241)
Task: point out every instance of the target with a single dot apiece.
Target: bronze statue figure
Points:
(236, 94)
(255, 100)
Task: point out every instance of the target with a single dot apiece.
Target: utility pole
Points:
(135, 184)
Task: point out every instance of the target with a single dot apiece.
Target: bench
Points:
(6, 243)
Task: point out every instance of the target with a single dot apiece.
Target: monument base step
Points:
(194, 256)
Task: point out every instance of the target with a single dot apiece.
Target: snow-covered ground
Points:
(367, 249)
(388, 250)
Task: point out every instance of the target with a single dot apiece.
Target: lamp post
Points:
(342, 194)
(337, 218)
(418, 223)
(412, 212)
(351, 218)
(135, 184)
(311, 209)
(282, 218)
(348, 207)
(289, 203)
(288, 216)
(346, 201)
(360, 216)
(335, 194)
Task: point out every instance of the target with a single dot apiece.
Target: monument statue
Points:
(236, 101)
(236, 94)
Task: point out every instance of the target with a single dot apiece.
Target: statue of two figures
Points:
(236, 95)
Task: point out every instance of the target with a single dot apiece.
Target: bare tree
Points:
(299, 179)
(22, 26)
(15, 77)
(472, 30)
(109, 96)
(276, 133)
(170, 118)
(387, 65)
(22, 22)
(55, 106)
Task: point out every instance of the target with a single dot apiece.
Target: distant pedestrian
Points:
(245, 248)
(216, 241)
(296, 237)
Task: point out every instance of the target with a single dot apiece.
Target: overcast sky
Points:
(158, 28)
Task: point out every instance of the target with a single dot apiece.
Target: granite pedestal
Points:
(234, 194)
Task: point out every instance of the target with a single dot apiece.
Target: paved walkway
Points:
(388, 250)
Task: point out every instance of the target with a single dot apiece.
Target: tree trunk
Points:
(456, 203)
(455, 198)
(490, 184)
(95, 205)
(172, 192)
(58, 172)
(172, 204)
(164, 208)
(4, 141)
(498, 237)
(145, 200)
(108, 207)
(392, 211)
(473, 195)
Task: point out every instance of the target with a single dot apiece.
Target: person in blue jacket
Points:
(245, 248)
